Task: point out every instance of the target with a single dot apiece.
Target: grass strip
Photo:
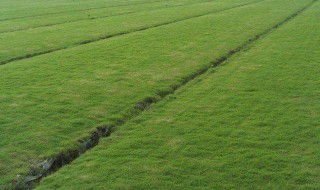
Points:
(25, 44)
(50, 8)
(42, 21)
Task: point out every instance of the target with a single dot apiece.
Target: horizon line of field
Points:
(87, 9)
(104, 131)
(30, 55)
(99, 17)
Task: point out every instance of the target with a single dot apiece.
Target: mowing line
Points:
(104, 131)
(45, 14)
(119, 34)
(98, 17)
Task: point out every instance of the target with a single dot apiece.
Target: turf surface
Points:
(73, 16)
(15, 9)
(28, 42)
(50, 101)
(252, 123)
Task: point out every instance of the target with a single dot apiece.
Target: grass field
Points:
(47, 39)
(251, 123)
(16, 9)
(102, 12)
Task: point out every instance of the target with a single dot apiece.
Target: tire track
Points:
(104, 131)
(98, 17)
(119, 34)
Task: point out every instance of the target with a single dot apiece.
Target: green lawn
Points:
(49, 102)
(73, 16)
(14, 9)
(252, 123)
(22, 43)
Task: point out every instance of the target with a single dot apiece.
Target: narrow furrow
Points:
(98, 17)
(104, 131)
(119, 34)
